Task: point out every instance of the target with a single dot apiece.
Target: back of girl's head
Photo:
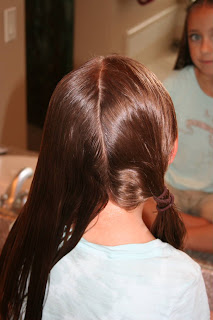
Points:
(184, 57)
(109, 134)
(112, 125)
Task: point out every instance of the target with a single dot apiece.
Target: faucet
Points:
(14, 197)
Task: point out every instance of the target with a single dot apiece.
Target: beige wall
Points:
(13, 80)
(101, 25)
(100, 28)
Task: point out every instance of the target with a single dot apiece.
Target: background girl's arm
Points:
(200, 238)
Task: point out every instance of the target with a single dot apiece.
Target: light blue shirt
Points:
(193, 166)
(151, 281)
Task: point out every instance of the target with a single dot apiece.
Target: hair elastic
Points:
(165, 200)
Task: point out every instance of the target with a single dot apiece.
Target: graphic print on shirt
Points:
(190, 123)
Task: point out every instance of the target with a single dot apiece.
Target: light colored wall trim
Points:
(157, 30)
(101, 25)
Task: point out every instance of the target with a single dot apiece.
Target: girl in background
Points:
(190, 176)
(109, 136)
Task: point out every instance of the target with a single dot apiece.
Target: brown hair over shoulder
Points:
(109, 133)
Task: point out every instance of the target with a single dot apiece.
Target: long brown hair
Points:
(184, 58)
(109, 132)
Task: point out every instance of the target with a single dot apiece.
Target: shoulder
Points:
(57, 296)
(180, 256)
(178, 79)
(188, 283)
(181, 263)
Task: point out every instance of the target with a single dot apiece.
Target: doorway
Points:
(49, 56)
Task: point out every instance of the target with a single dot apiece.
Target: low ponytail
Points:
(168, 225)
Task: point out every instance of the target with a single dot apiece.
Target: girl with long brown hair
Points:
(79, 248)
(190, 177)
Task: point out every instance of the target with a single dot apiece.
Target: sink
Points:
(9, 167)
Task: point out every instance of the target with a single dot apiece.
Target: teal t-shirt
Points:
(150, 281)
(193, 165)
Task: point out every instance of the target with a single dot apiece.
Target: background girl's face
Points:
(200, 38)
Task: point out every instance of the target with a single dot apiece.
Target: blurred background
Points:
(42, 40)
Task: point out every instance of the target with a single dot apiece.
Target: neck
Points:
(116, 226)
(205, 82)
